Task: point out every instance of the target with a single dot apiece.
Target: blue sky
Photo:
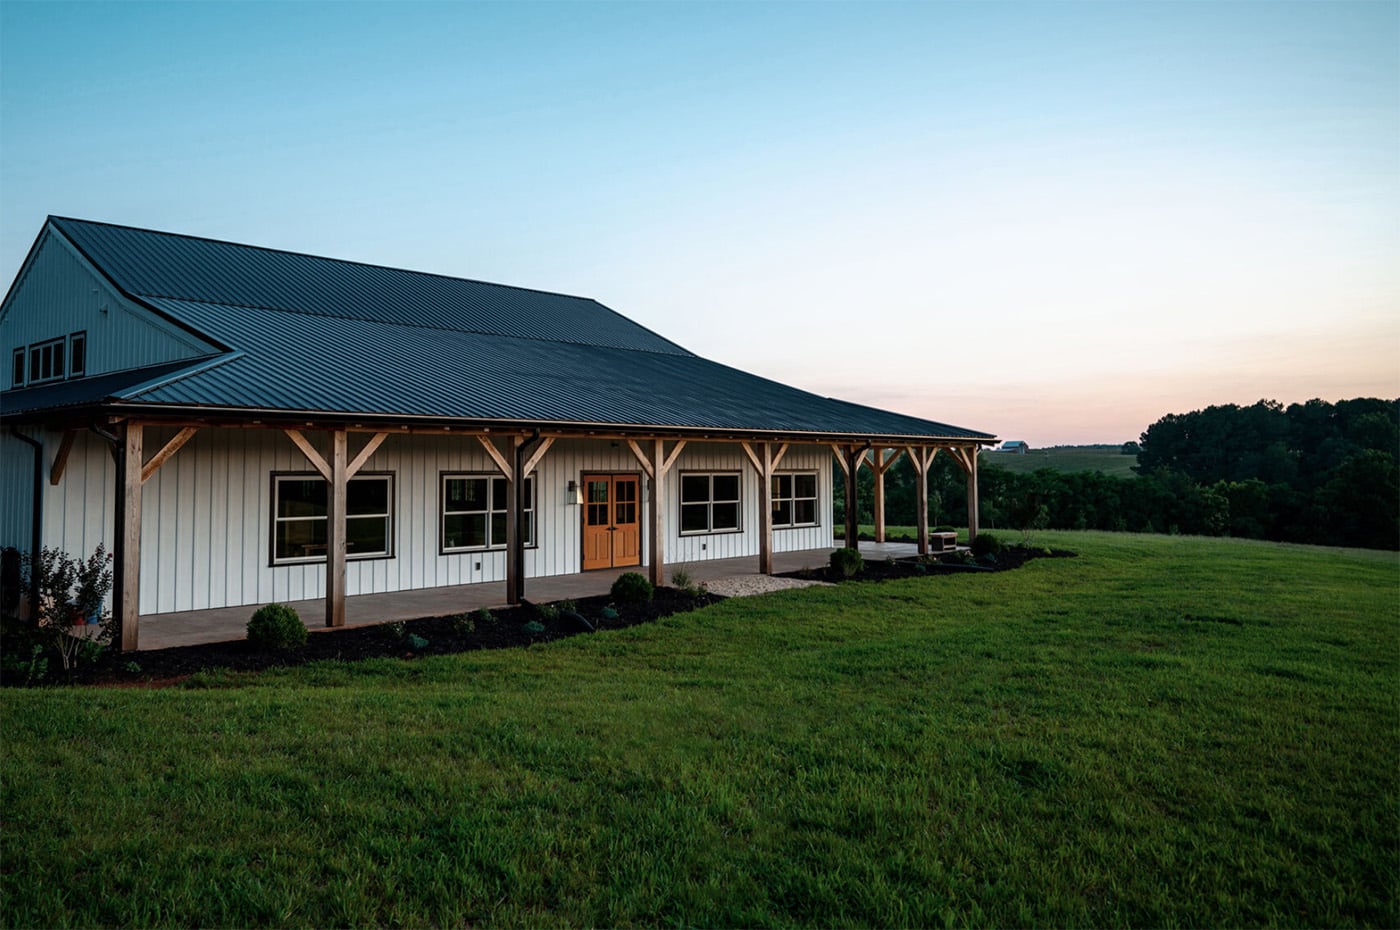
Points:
(1053, 221)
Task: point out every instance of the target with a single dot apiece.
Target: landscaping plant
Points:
(71, 616)
(632, 588)
(276, 627)
(847, 563)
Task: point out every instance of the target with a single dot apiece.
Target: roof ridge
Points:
(327, 258)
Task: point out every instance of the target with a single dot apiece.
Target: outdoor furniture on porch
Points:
(942, 541)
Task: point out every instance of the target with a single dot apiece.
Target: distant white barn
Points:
(242, 425)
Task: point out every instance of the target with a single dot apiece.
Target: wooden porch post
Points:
(854, 455)
(879, 464)
(922, 458)
(765, 462)
(765, 510)
(656, 522)
(515, 541)
(126, 582)
(656, 463)
(335, 528)
(973, 505)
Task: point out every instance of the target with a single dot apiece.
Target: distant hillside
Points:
(1108, 459)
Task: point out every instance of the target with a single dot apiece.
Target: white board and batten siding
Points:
(207, 513)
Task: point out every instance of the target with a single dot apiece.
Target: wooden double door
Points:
(612, 521)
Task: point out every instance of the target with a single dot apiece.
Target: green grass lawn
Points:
(1108, 459)
(1165, 731)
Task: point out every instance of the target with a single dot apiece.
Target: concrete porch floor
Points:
(227, 624)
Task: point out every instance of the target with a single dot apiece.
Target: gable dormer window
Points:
(50, 361)
(46, 360)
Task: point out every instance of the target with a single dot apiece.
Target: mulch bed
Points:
(162, 667)
(948, 564)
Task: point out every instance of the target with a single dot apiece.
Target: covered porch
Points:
(228, 624)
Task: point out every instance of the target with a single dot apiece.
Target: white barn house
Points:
(242, 425)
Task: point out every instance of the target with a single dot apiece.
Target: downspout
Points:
(36, 539)
(517, 553)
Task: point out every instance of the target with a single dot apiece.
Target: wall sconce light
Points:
(575, 493)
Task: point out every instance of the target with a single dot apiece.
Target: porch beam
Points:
(490, 446)
(778, 456)
(840, 457)
(642, 458)
(60, 460)
(166, 451)
(536, 456)
(671, 459)
(308, 450)
(335, 529)
(753, 457)
(126, 587)
(359, 460)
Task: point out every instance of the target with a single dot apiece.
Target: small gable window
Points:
(18, 379)
(77, 355)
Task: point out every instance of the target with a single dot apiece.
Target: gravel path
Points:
(745, 585)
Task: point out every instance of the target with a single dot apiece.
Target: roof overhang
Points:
(251, 418)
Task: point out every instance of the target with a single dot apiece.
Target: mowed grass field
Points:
(1108, 459)
(1164, 731)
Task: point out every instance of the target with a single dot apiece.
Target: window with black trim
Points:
(77, 355)
(299, 528)
(17, 380)
(474, 511)
(795, 499)
(709, 502)
(46, 360)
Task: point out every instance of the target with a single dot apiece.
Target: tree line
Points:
(1313, 472)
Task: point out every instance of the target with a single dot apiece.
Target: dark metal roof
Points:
(330, 337)
(143, 263)
(84, 392)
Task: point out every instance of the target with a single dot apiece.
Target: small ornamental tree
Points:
(72, 592)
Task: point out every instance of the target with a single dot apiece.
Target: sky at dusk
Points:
(1054, 221)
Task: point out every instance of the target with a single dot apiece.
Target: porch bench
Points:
(942, 542)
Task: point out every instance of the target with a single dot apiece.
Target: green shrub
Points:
(483, 615)
(609, 613)
(847, 563)
(416, 642)
(986, 544)
(548, 612)
(462, 624)
(276, 626)
(533, 627)
(632, 588)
